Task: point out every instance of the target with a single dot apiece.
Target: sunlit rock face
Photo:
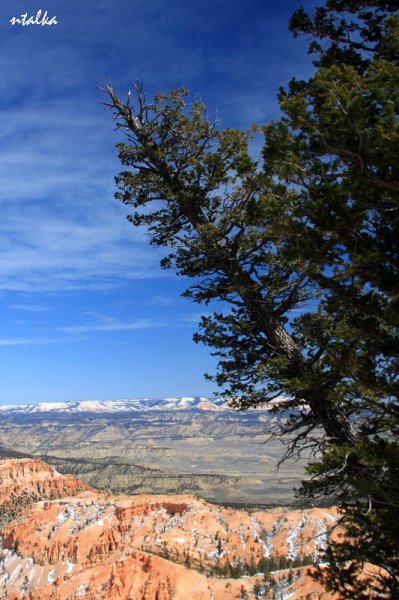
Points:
(23, 482)
(68, 541)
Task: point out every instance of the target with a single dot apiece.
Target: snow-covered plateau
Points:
(118, 406)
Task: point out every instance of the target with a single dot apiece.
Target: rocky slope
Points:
(23, 482)
(98, 546)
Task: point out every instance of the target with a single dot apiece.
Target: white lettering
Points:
(41, 18)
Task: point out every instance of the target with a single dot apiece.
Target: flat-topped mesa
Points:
(26, 480)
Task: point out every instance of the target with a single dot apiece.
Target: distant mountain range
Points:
(119, 406)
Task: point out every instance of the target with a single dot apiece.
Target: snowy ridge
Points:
(119, 406)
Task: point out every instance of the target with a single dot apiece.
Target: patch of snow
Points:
(32, 573)
(70, 567)
(82, 590)
(215, 554)
(293, 536)
(242, 538)
(16, 570)
(9, 556)
(46, 406)
(51, 577)
(320, 541)
(267, 543)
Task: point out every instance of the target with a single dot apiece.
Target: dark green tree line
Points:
(303, 252)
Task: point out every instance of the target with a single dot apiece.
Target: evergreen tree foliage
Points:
(340, 130)
(301, 254)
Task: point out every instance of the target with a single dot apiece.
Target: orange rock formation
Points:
(88, 544)
(28, 480)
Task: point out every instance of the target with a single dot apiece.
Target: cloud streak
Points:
(61, 229)
(112, 325)
(20, 341)
(31, 307)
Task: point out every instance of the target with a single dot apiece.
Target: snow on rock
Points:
(118, 406)
(95, 546)
(292, 538)
(51, 577)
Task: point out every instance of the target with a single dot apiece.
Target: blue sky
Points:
(86, 312)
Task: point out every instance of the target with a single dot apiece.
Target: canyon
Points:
(162, 446)
(63, 540)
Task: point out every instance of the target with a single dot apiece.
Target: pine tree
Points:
(340, 130)
(312, 232)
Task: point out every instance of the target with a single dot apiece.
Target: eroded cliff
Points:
(75, 542)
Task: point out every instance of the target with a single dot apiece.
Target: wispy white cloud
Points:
(24, 341)
(113, 325)
(67, 256)
(163, 300)
(61, 228)
(31, 307)
(103, 323)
